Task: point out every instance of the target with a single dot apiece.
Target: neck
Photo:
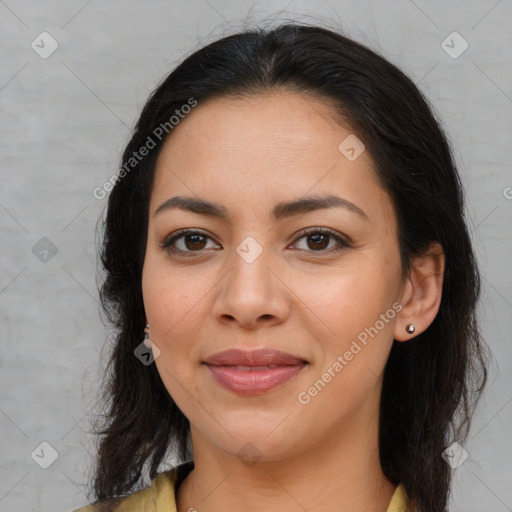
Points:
(343, 474)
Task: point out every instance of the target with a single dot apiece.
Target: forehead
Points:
(261, 149)
(281, 124)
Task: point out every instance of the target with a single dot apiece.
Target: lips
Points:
(253, 358)
(254, 372)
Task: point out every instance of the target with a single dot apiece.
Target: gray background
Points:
(63, 124)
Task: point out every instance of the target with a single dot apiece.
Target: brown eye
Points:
(194, 241)
(187, 241)
(318, 240)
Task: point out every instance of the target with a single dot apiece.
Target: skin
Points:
(298, 296)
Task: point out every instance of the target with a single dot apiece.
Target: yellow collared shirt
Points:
(160, 497)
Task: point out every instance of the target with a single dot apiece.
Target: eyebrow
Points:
(280, 210)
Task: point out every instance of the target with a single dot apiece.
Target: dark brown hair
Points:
(432, 383)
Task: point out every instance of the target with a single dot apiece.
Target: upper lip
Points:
(259, 357)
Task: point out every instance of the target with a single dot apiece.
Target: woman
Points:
(286, 233)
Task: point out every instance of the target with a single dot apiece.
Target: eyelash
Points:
(167, 244)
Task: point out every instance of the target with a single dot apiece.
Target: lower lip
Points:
(253, 382)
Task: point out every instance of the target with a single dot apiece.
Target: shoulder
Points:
(142, 500)
(400, 501)
(160, 496)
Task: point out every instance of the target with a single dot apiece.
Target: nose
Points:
(252, 294)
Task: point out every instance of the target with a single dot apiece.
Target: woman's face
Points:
(250, 280)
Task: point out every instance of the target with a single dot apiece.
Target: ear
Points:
(421, 293)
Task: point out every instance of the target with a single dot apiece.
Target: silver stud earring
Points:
(410, 328)
(147, 341)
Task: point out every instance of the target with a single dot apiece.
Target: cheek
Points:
(348, 296)
(177, 306)
(176, 315)
(168, 293)
(350, 303)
